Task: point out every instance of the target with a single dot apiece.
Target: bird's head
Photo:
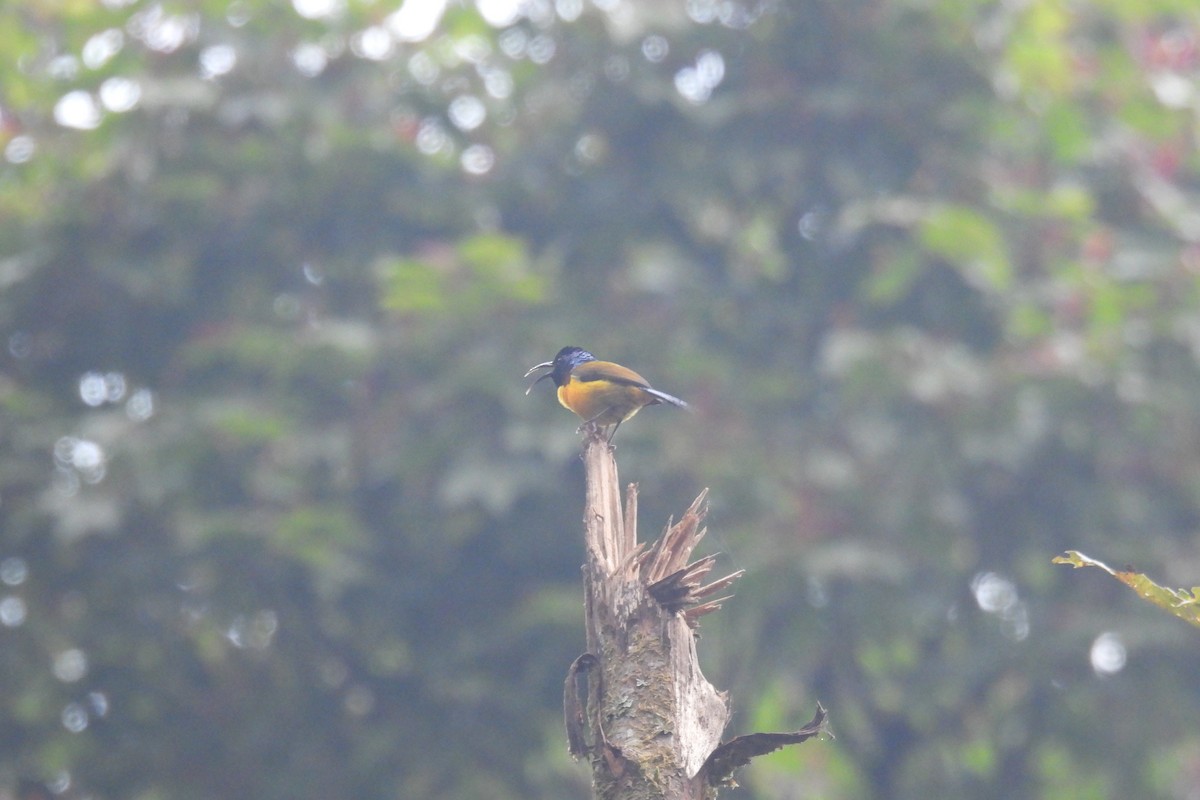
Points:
(560, 368)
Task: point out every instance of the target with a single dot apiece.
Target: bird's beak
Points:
(535, 368)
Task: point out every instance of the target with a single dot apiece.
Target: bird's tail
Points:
(666, 398)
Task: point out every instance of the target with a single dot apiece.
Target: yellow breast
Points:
(601, 401)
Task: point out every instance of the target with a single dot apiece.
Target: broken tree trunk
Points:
(636, 703)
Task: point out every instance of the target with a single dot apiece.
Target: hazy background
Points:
(277, 522)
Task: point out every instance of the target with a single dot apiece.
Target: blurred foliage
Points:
(277, 521)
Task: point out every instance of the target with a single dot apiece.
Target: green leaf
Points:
(1036, 54)
(1067, 128)
(411, 285)
(251, 426)
(481, 273)
(892, 280)
(318, 535)
(1182, 603)
(965, 237)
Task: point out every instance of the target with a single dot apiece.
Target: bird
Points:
(599, 392)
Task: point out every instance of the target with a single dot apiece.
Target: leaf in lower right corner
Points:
(1182, 603)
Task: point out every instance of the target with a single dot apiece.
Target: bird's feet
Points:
(592, 430)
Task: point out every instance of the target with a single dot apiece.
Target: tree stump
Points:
(637, 703)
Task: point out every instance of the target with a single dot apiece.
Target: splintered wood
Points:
(658, 718)
(636, 703)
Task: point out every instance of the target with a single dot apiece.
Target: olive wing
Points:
(615, 373)
(608, 371)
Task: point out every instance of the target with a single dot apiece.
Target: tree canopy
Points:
(277, 521)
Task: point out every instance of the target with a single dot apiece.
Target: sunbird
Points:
(599, 392)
